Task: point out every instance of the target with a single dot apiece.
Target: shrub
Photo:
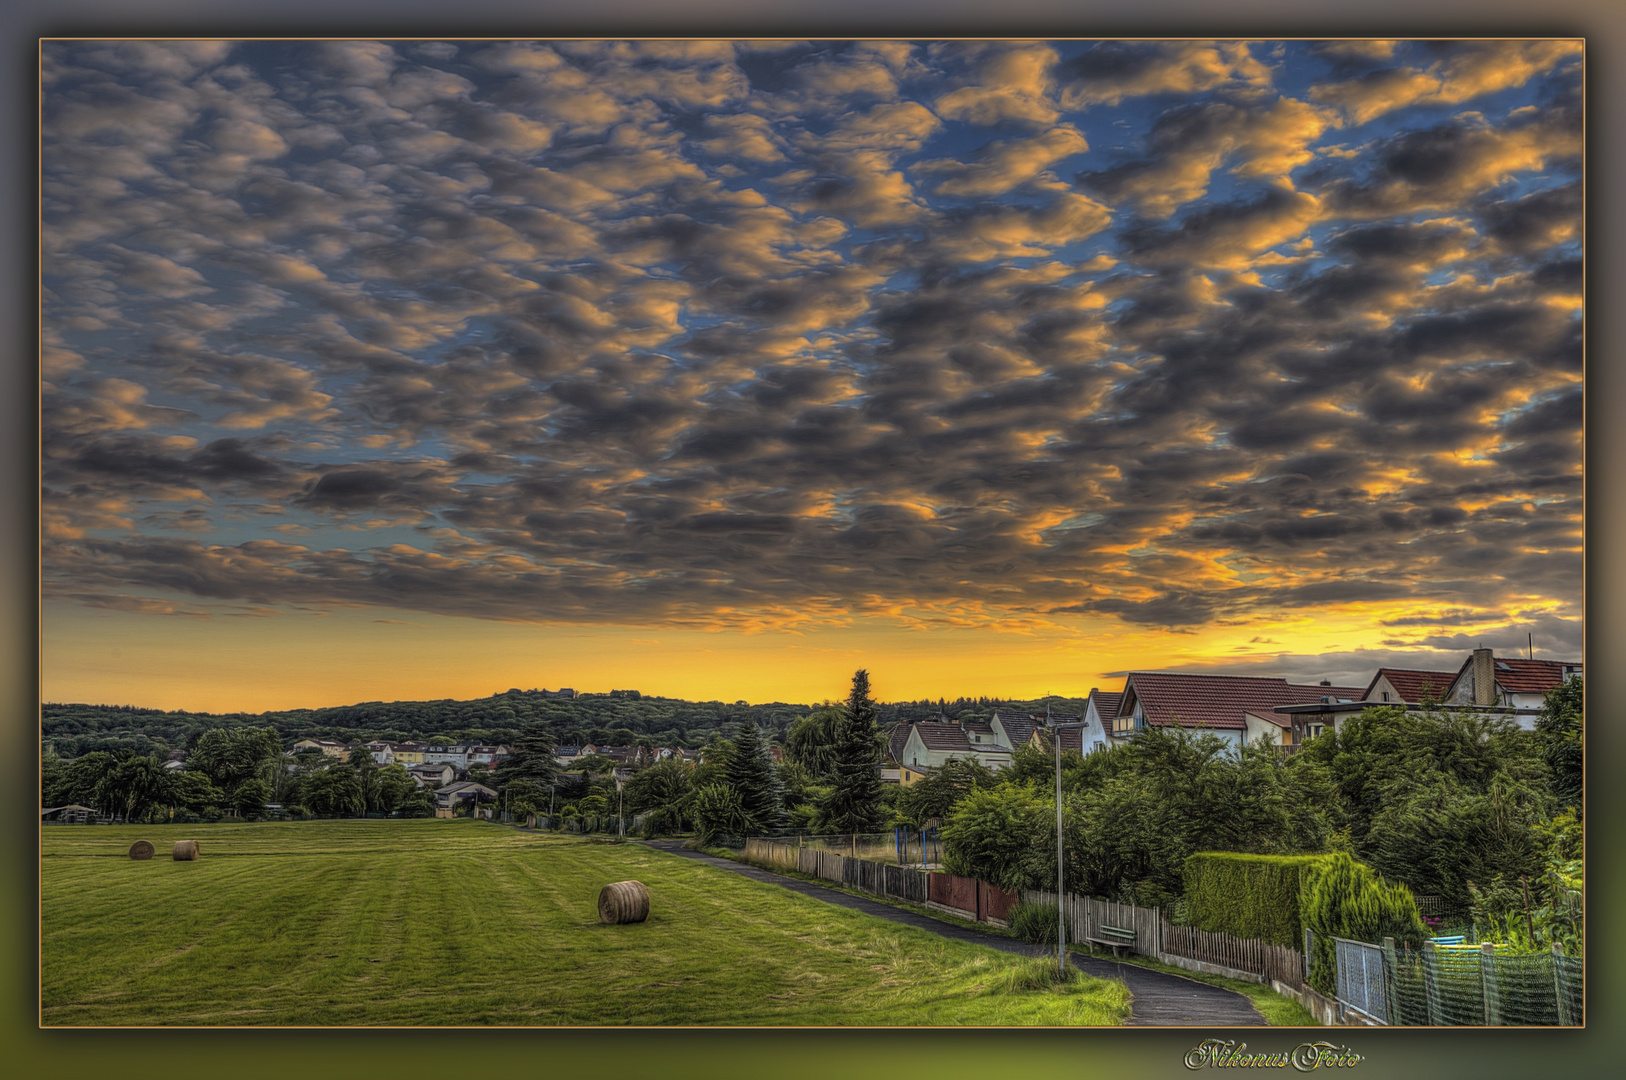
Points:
(1248, 896)
(1347, 899)
(1004, 836)
(1034, 923)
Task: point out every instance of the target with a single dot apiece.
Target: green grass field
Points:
(457, 922)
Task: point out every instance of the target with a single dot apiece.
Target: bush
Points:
(1347, 899)
(1034, 923)
(1248, 896)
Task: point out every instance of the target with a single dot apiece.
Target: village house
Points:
(1509, 684)
(1238, 708)
(449, 798)
(432, 774)
(330, 747)
(930, 744)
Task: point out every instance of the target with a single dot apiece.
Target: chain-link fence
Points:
(1361, 981)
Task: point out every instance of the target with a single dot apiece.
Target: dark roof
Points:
(978, 727)
(943, 737)
(1018, 726)
(1411, 684)
(1071, 738)
(896, 740)
(1216, 701)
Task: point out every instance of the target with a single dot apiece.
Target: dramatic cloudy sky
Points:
(405, 369)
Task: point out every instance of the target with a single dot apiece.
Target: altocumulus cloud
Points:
(776, 334)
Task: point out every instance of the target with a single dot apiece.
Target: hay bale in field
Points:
(186, 850)
(623, 902)
(141, 850)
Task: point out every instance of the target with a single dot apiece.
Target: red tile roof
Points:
(1412, 685)
(1217, 701)
(1106, 704)
(1526, 676)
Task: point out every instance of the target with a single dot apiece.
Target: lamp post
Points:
(1061, 903)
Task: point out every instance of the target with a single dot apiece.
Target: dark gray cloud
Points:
(645, 332)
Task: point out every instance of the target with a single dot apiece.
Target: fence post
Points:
(1391, 981)
(1431, 987)
(1487, 978)
(1566, 1018)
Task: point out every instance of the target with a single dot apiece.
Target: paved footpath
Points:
(1158, 999)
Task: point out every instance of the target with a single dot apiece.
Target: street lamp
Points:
(1061, 905)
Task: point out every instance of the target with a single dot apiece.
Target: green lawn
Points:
(459, 922)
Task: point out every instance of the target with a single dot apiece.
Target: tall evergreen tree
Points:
(531, 757)
(854, 803)
(750, 775)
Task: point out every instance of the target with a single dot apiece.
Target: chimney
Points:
(1484, 677)
(1326, 682)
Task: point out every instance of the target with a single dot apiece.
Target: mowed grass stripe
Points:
(437, 923)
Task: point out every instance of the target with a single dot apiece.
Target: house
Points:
(564, 755)
(1395, 686)
(455, 755)
(1506, 686)
(331, 747)
(931, 743)
(450, 797)
(409, 753)
(1099, 709)
(383, 751)
(71, 814)
(1013, 729)
(433, 774)
(1511, 684)
(1072, 739)
(1237, 708)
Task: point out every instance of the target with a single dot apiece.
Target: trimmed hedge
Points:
(1248, 896)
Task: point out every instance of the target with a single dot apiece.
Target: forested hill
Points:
(73, 730)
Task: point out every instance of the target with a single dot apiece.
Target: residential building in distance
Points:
(432, 774)
(1407, 686)
(1512, 683)
(330, 747)
(932, 743)
(1238, 708)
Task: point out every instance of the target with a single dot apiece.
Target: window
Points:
(1386, 695)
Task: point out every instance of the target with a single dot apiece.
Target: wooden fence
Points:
(880, 879)
(1158, 938)
(1086, 915)
(1281, 963)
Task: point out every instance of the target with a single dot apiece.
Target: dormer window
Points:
(1386, 695)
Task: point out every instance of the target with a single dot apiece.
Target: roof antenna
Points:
(1532, 645)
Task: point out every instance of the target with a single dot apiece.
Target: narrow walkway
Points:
(1158, 1000)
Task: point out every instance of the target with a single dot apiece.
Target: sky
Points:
(717, 369)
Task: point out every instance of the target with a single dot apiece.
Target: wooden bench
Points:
(1114, 938)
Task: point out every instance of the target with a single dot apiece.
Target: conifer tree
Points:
(854, 803)
(750, 774)
(531, 757)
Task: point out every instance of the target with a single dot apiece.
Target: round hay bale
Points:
(141, 850)
(623, 902)
(186, 850)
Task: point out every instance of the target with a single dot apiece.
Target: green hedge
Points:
(1248, 896)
